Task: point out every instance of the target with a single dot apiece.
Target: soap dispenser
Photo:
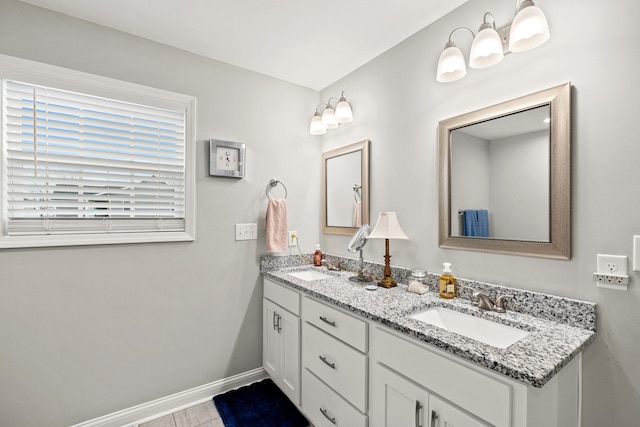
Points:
(317, 256)
(448, 283)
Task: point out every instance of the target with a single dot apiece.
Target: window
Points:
(89, 160)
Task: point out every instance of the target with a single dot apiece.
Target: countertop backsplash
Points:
(572, 312)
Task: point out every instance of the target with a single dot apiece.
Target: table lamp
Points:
(387, 228)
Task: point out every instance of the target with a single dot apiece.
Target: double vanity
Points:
(354, 357)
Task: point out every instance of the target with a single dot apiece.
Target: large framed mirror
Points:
(504, 177)
(345, 188)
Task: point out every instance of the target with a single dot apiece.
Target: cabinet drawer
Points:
(482, 395)
(338, 365)
(285, 298)
(325, 408)
(347, 328)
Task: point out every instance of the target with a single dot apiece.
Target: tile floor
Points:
(202, 415)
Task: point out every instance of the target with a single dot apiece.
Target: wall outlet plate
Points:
(292, 237)
(612, 264)
(636, 253)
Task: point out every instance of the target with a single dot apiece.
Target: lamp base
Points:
(387, 282)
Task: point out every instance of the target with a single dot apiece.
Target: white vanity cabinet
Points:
(407, 375)
(281, 338)
(350, 371)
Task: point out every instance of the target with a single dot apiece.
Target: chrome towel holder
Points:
(273, 183)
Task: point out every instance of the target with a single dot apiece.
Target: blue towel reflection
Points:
(475, 223)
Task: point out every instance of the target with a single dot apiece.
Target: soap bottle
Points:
(447, 283)
(317, 256)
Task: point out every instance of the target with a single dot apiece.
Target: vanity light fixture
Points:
(332, 116)
(387, 228)
(528, 30)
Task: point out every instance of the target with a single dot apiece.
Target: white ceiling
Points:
(312, 43)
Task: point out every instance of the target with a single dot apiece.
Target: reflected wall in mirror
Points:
(345, 188)
(505, 177)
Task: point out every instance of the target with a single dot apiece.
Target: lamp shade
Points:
(529, 28)
(317, 127)
(486, 49)
(387, 227)
(343, 111)
(451, 66)
(329, 118)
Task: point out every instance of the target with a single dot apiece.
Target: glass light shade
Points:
(343, 112)
(486, 49)
(387, 227)
(329, 118)
(451, 66)
(317, 127)
(529, 28)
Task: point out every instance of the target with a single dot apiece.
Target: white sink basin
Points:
(486, 331)
(309, 275)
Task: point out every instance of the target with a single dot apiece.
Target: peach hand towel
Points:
(277, 226)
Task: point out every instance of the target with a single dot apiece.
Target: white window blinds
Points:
(77, 164)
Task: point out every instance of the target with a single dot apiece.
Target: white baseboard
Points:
(166, 405)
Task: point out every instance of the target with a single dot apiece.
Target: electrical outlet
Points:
(293, 236)
(612, 272)
(611, 281)
(612, 264)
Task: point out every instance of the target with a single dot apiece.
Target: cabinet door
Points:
(396, 401)
(442, 414)
(270, 339)
(290, 354)
(281, 348)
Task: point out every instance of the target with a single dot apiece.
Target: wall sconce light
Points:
(528, 30)
(331, 116)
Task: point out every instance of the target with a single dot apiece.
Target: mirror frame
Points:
(559, 244)
(364, 168)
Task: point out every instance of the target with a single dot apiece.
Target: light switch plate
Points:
(247, 231)
(636, 253)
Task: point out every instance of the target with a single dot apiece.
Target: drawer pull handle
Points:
(279, 325)
(324, 412)
(328, 322)
(418, 408)
(326, 362)
(275, 325)
(434, 418)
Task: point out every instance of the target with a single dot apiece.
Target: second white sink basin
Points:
(309, 275)
(479, 329)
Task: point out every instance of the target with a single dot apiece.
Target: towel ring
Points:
(357, 188)
(272, 183)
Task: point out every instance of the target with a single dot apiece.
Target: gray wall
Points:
(397, 103)
(86, 331)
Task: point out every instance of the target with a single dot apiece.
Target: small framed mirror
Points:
(504, 175)
(345, 188)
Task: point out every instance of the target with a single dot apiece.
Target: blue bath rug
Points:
(260, 404)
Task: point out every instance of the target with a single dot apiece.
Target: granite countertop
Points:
(533, 360)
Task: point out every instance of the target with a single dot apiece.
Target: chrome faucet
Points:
(330, 265)
(484, 302)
